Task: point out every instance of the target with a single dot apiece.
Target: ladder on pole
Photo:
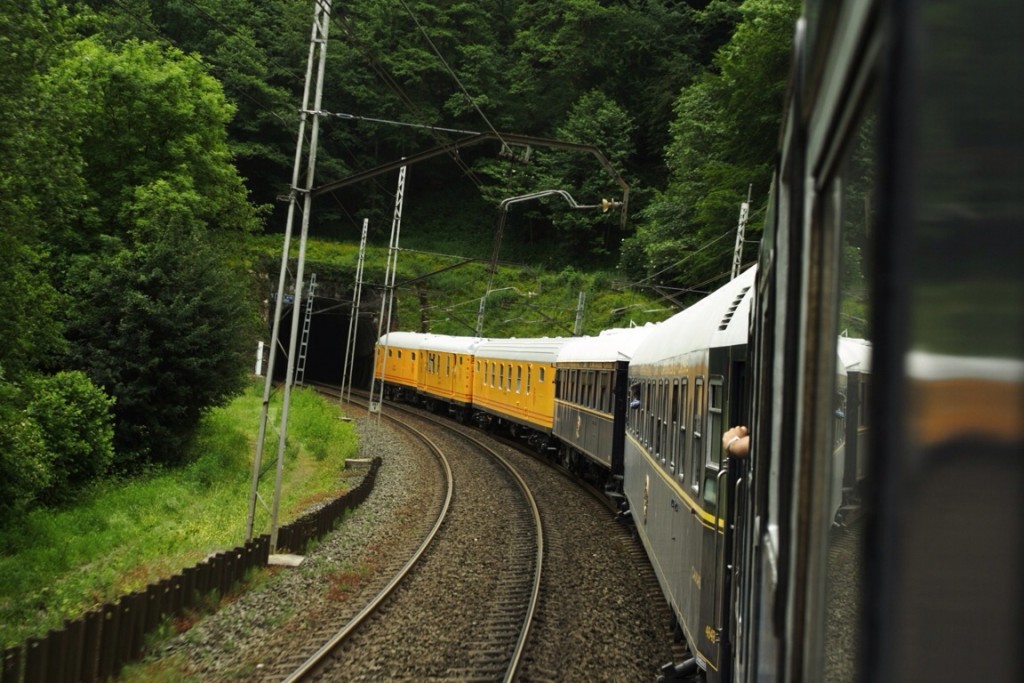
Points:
(300, 362)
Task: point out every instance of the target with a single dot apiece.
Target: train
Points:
(875, 352)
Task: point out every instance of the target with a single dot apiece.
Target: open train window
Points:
(697, 435)
(713, 449)
(680, 449)
(715, 427)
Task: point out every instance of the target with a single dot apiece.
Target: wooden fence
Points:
(96, 646)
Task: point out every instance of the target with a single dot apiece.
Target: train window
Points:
(659, 421)
(540, 375)
(508, 379)
(666, 414)
(697, 448)
(649, 404)
(448, 367)
(501, 375)
(680, 450)
(400, 354)
(645, 403)
(713, 449)
(715, 428)
(673, 418)
(519, 379)
(529, 374)
(390, 352)
(847, 209)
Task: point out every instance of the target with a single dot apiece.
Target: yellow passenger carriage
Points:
(514, 385)
(446, 381)
(398, 363)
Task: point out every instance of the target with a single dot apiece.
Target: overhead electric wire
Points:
(385, 75)
(452, 73)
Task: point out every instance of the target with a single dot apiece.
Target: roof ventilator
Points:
(727, 318)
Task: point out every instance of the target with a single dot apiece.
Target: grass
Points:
(525, 301)
(122, 535)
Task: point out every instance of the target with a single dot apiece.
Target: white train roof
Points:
(543, 350)
(449, 344)
(720, 319)
(430, 342)
(403, 340)
(854, 354)
(612, 345)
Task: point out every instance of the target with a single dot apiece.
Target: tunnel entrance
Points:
(325, 352)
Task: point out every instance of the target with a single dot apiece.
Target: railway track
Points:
(597, 579)
(334, 631)
(496, 606)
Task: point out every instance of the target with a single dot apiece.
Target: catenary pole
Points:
(317, 56)
(348, 365)
(384, 323)
(737, 254)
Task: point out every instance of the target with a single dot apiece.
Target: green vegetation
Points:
(145, 145)
(121, 535)
(525, 301)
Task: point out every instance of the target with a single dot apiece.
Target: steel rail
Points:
(327, 648)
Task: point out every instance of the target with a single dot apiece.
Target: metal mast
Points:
(737, 254)
(348, 365)
(317, 56)
(307, 323)
(384, 323)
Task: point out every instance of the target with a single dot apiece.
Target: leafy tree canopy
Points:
(723, 144)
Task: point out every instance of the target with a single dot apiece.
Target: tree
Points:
(163, 324)
(160, 317)
(723, 143)
(143, 113)
(598, 121)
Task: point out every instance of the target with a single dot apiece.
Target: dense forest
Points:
(144, 143)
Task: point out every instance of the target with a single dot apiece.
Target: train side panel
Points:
(514, 381)
(398, 361)
(684, 382)
(448, 369)
(592, 397)
(590, 410)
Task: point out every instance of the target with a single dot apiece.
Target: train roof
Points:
(720, 319)
(404, 340)
(543, 350)
(430, 342)
(612, 345)
(450, 344)
(854, 354)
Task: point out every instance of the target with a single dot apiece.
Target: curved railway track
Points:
(499, 629)
(600, 604)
